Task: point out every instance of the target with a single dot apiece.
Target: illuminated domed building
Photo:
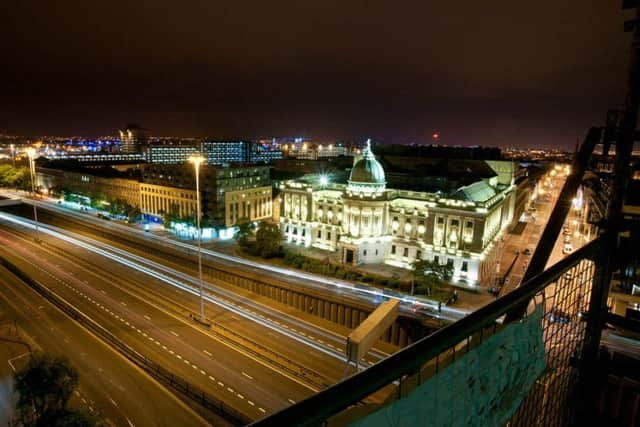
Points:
(367, 223)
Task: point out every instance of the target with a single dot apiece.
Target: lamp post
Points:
(197, 160)
(13, 155)
(31, 153)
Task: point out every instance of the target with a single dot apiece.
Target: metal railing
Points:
(565, 292)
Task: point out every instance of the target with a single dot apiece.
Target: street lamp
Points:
(31, 152)
(197, 160)
(13, 155)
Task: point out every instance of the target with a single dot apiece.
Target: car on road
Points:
(567, 248)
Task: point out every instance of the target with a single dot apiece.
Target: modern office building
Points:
(171, 152)
(367, 223)
(310, 151)
(238, 151)
(132, 139)
(247, 188)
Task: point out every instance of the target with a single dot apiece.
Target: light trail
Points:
(46, 229)
(408, 304)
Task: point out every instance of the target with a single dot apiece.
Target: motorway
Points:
(167, 269)
(337, 288)
(119, 298)
(110, 386)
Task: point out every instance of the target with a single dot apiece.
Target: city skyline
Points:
(481, 74)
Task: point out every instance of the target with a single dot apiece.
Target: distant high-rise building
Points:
(131, 139)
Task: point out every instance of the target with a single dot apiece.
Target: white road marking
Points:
(240, 396)
(147, 317)
(262, 410)
(211, 378)
(293, 402)
(174, 333)
(207, 353)
(247, 375)
(123, 303)
(251, 403)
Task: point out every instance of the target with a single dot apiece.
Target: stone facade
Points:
(366, 223)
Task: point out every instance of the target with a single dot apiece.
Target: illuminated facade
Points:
(155, 199)
(51, 180)
(254, 203)
(239, 151)
(367, 223)
(217, 185)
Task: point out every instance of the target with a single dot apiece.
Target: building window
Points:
(406, 252)
(304, 231)
(393, 249)
(319, 234)
(465, 266)
(436, 259)
(419, 255)
(364, 252)
(329, 236)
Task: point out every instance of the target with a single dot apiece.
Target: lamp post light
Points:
(31, 152)
(197, 160)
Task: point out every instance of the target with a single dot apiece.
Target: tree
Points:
(430, 276)
(268, 240)
(44, 386)
(173, 215)
(245, 231)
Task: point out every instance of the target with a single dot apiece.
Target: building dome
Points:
(367, 175)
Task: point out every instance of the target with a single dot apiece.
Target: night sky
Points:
(497, 72)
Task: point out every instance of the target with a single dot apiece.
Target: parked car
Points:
(567, 248)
